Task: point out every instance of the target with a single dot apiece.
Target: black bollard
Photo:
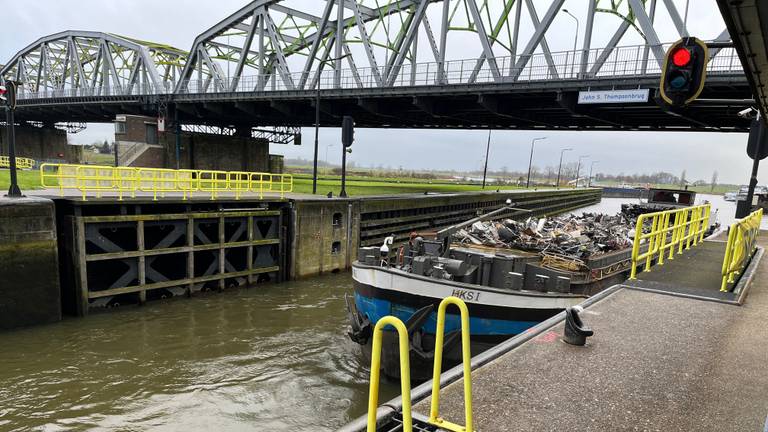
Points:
(575, 331)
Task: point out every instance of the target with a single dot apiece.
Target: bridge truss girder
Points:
(75, 63)
(268, 45)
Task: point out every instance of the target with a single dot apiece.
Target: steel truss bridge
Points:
(389, 63)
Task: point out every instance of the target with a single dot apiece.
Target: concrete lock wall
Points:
(367, 221)
(141, 145)
(325, 236)
(42, 144)
(29, 276)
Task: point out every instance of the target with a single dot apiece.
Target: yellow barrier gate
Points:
(742, 243)
(21, 162)
(671, 230)
(159, 181)
(405, 372)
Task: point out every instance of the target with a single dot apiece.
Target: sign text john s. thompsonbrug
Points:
(613, 96)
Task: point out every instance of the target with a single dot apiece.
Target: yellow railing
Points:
(405, 372)
(466, 357)
(742, 243)
(159, 181)
(670, 231)
(21, 162)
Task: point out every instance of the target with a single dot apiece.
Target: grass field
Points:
(28, 179)
(357, 187)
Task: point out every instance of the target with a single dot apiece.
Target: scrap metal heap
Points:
(569, 236)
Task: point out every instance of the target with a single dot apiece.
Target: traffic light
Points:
(3, 94)
(684, 72)
(347, 131)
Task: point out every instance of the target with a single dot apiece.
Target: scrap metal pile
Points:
(569, 236)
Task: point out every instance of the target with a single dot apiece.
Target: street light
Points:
(560, 167)
(326, 153)
(530, 161)
(592, 165)
(574, 39)
(317, 118)
(578, 169)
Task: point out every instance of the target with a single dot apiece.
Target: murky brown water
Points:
(272, 358)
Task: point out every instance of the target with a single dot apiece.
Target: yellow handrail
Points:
(671, 230)
(405, 372)
(742, 243)
(21, 162)
(466, 361)
(123, 180)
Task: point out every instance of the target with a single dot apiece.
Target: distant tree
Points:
(714, 182)
(682, 179)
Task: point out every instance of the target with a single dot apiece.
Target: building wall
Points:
(196, 151)
(42, 144)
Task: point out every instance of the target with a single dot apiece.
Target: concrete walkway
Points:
(657, 362)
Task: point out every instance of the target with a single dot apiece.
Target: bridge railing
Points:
(565, 65)
(668, 232)
(89, 179)
(637, 60)
(742, 243)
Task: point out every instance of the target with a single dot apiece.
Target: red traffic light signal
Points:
(681, 57)
(3, 92)
(684, 72)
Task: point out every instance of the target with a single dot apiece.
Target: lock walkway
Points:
(696, 272)
(658, 361)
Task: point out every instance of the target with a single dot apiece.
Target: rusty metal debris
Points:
(566, 240)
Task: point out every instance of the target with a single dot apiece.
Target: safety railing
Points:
(21, 162)
(159, 181)
(466, 357)
(405, 372)
(667, 232)
(742, 243)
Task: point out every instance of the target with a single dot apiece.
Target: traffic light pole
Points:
(343, 193)
(13, 190)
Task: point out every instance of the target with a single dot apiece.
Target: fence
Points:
(742, 243)
(21, 162)
(670, 231)
(159, 181)
(405, 372)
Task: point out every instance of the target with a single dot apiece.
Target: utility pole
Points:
(487, 150)
(530, 161)
(578, 169)
(589, 181)
(560, 166)
(320, 66)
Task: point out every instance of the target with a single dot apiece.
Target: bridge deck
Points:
(695, 272)
(656, 362)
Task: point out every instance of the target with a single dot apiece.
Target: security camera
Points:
(748, 113)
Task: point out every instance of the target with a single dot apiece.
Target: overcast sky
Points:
(178, 22)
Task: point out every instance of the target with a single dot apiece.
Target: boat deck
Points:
(659, 360)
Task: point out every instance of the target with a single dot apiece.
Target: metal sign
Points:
(613, 96)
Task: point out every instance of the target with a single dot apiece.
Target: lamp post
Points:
(560, 166)
(530, 161)
(317, 118)
(592, 165)
(487, 150)
(578, 169)
(574, 39)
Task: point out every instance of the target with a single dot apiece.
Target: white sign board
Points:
(613, 96)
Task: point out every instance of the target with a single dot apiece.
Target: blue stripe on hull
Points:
(375, 309)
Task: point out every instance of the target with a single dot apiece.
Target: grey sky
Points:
(177, 22)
